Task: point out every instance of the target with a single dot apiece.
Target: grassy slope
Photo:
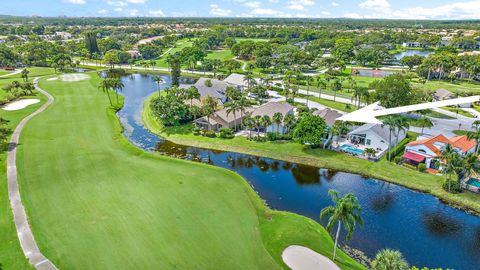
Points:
(11, 256)
(295, 152)
(95, 201)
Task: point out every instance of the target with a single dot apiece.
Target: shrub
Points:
(422, 167)
(290, 100)
(454, 186)
(197, 131)
(226, 133)
(406, 165)
(397, 160)
(209, 133)
(302, 108)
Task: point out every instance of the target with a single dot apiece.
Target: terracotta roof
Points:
(460, 142)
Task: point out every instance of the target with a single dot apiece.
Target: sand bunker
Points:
(302, 258)
(74, 77)
(53, 79)
(20, 104)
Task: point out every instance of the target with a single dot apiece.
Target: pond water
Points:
(400, 55)
(428, 232)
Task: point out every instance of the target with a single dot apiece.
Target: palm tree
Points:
(450, 157)
(249, 123)
(390, 121)
(424, 122)
(339, 128)
(475, 135)
(257, 122)
(105, 86)
(158, 80)
(294, 91)
(117, 85)
(24, 74)
(192, 93)
(309, 81)
(277, 118)
(388, 259)
(208, 106)
(243, 104)
(345, 210)
(266, 121)
(233, 108)
(321, 84)
(288, 121)
(336, 86)
(401, 123)
(470, 164)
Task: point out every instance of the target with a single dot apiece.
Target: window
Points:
(369, 141)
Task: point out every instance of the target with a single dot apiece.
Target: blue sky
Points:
(393, 9)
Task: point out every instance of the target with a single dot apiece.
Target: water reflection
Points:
(426, 231)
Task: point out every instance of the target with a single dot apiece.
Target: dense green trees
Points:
(170, 109)
(395, 90)
(310, 130)
(412, 61)
(91, 42)
(344, 49)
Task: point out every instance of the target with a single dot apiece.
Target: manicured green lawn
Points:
(4, 72)
(222, 55)
(96, 202)
(183, 43)
(11, 256)
(294, 152)
(459, 111)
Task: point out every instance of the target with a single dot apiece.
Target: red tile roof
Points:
(413, 156)
(460, 142)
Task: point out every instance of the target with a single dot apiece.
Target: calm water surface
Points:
(428, 232)
(400, 55)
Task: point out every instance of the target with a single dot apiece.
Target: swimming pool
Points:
(351, 149)
(473, 182)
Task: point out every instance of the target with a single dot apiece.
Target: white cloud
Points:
(352, 15)
(375, 4)
(253, 4)
(300, 4)
(335, 4)
(156, 13)
(325, 13)
(133, 12)
(136, 1)
(266, 12)
(75, 2)
(117, 3)
(118, 9)
(102, 11)
(217, 11)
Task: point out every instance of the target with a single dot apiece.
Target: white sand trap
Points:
(20, 104)
(53, 79)
(302, 258)
(74, 77)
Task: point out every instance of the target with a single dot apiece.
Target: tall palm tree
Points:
(117, 85)
(257, 122)
(390, 121)
(424, 122)
(309, 81)
(209, 104)
(277, 118)
(470, 164)
(192, 93)
(24, 74)
(401, 124)
(243, 104)
(387, 259)
(105, 86)
(475, 134)
(321, 84)
(233, 108)
(288, 121)
(346, 210)
(336, 86)
(158, 80)
(450, 158)
(266, 121)
(249, 123)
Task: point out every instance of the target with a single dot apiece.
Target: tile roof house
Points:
(270, 109)
(216, 90)
(442, 94)
(222, 119)
(237, 80)
(375, 136)
(330, 116)
(427, 149)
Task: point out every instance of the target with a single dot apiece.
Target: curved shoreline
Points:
(25, 236)
(310, 161)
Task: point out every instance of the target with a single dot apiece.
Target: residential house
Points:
(375, 136)
(211, 88)
(222, 119)
(330, 116)
(426, 150)
(414, 44)
(442, 94)
(238, 81)
(270, 109)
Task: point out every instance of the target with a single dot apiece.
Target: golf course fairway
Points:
(94, 201)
